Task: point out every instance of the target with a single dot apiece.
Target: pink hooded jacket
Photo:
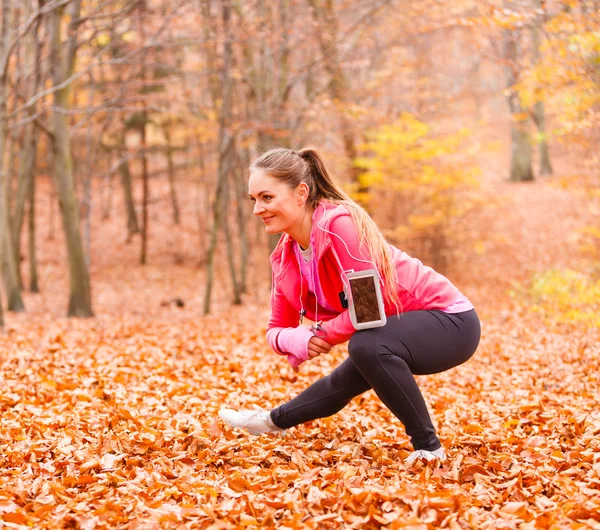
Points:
(419, 286)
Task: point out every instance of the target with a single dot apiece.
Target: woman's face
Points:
(280, 207)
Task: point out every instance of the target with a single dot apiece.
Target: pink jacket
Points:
(419, 286)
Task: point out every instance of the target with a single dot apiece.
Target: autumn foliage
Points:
(409, 168)
(111, 422)
(130, 126)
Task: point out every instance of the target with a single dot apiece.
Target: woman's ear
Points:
(302, 193)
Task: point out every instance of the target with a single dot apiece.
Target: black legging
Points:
(385, 359)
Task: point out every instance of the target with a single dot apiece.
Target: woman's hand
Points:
(317, 346)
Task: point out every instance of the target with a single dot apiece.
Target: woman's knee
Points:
(361, 347)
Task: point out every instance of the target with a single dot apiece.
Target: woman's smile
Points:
(280, 207)
(273, 202)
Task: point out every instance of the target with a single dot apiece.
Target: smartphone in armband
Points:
(365, 301)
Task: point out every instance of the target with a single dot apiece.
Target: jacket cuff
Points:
(295, 342)
(337, 330)
(272, 335)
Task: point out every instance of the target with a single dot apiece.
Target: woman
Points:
(431, 327)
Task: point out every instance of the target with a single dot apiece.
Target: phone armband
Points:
(365, 300)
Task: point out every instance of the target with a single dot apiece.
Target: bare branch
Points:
(95, 62)
(22, 31)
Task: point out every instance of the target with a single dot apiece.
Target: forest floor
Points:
(111, 421)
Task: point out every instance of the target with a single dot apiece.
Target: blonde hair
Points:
(295, 167)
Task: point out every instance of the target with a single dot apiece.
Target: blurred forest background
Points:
(470, 130)
(127, 128)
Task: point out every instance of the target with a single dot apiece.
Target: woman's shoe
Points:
(254, 421)
(427, 455)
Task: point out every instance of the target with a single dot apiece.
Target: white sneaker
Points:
(427, 455)
(254, 421)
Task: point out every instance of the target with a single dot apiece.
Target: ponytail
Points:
(322, 185)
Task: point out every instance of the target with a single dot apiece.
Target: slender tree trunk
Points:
(539, 112)
(31, 65)
(9, 273)
(214, 235)
(12, 181)
(143, 146)
(226, 146)
(25, 171)
(324, 14)
(202, 204)
(4, 40)
(520, 165)
(237, 295)
(539, 116)
(13, 169)
(171, 173)
(33, 276)
(145, 193)
(241, 199)
(63, 63)
(88, 164)
(125, 172)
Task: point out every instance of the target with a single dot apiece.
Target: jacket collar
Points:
(324, 213)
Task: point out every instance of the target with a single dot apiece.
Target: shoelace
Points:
(253, 414)
(421, 453)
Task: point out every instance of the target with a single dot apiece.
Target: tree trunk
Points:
(241, 200)
(145, 192)
(62, 64)
(171, 173)
(202, 204)
(339, 88)
(88, 164)
(143, 146)
(210, 255)
(539, 116)
(539, 113)
(28, 155)
(33, 276)
(31, 65)
(12, 174)
(124, 171)
(9, 269)
(107, 191)
(12, 181)
(226, 146)
(520, 165)
(9, 273)
(237, 294)
(26, 177)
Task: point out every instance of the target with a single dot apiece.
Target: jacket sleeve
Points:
(283, 315)
(294, 341)
(345, 244)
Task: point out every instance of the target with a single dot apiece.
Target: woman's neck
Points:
(301, 231)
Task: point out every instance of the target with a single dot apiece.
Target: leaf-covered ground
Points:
(110, 422)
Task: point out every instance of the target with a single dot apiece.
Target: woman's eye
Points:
(267, 198)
